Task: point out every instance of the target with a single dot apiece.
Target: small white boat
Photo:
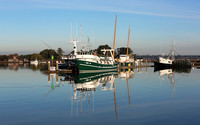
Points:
(166, 62)
(163, 62)
(35, 62)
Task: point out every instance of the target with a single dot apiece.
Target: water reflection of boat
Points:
(86, 83)
(88, 79)
(165, 72)
(170, 75)
(126, 74)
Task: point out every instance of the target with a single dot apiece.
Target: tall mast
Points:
(88, 43)
(114, 36)
(71, 32)
(75, 47)
(173, 50)
(83, 48)
(128, 40)
(81, 32)
(76, 33)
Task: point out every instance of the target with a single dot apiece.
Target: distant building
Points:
(13, 58)
(25, 60)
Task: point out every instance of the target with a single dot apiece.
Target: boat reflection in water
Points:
(170, 73)
(126, 74)
(90, 81)
(85, 85)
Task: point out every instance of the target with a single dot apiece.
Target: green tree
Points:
(123, 50)
(36, 56)
(60, 52)
(25, 56)
(99, 52)
(47, 53)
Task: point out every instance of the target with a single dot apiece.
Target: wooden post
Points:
(49, 78)
(56, 78)
(49, 65)
(56, 65)
(146, 63)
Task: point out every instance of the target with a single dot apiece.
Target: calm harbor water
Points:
(141, 96)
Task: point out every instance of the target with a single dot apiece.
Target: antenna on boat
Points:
(173, 49)
(83, 46)
(71, 32)
(76, 32)
(128, 40)
(88, 43)
(93, 40)
(114, 36)
(74, 41)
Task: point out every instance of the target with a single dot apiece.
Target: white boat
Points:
(166, 62)
(163, 62)
(93, 63)
(35, 62)
(88, 62)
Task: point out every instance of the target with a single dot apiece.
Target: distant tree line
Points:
(43, 55)
(48, 53)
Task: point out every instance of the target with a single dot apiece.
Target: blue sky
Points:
(24, 23)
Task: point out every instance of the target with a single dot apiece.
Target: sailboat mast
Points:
(83, 48)
(114, 36)
(173, 50)
(88, 43)
(128, 40)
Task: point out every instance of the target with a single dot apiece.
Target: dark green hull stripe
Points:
(90, 66)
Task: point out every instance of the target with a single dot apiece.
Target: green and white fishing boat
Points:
(93, 63)
(88, 62)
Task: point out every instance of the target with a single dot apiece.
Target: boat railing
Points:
(69, 57)
(85, 53)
